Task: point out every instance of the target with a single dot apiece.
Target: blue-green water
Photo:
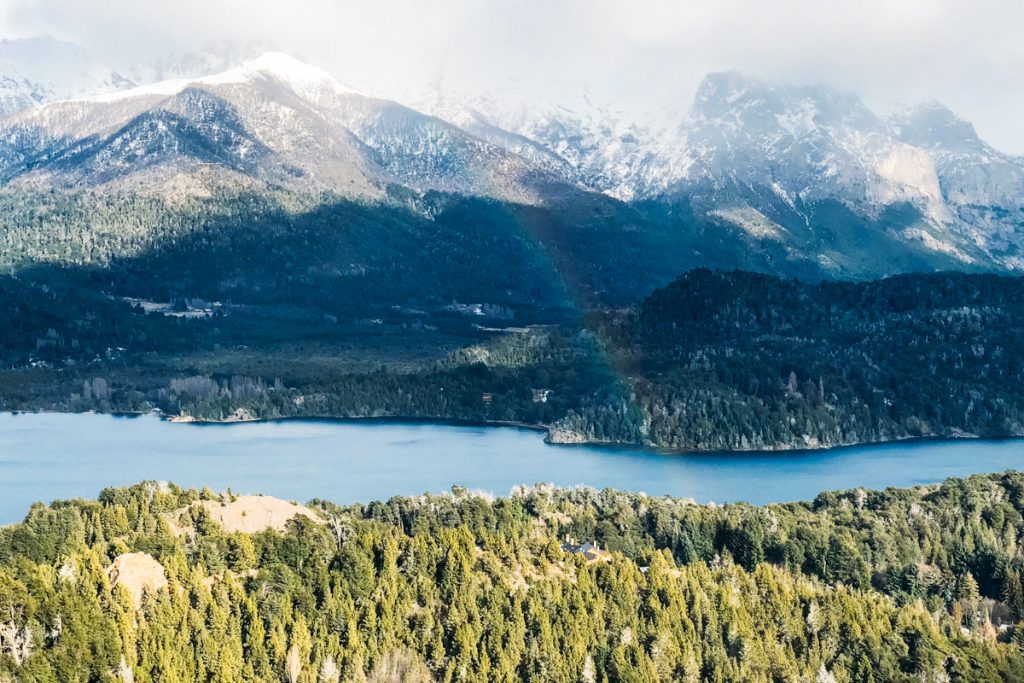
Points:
(49, 456)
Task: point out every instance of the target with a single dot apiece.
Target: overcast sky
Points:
(640, 54)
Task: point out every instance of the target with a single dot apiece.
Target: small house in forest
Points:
(591, 552)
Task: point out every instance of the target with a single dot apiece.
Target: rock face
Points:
(563, 436)
(248, 514)
(139, 573)
(971, 171)
(242, 415)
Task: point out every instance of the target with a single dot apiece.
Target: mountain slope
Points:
(794, 180)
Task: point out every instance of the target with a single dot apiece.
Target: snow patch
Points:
(752, 221)
(933, 243)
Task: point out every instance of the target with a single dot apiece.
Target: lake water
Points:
(49, 456)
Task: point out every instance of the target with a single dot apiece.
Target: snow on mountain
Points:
(41, 69)
(971, 171)
(274, 120)
(211, 58)
(759, 157)
(814, 144)
(747, 148)
(304, 80)
(982, 186)
(803, 142)
(590, 144)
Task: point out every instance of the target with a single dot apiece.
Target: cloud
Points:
(642, 54)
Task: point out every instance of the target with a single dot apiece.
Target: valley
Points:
(267, 242)
(397, 342)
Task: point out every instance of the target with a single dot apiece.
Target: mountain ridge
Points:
(317, 134)
(805, 171)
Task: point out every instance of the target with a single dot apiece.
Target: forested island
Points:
(157, 583)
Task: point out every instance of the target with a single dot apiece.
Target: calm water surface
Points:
(49, 456)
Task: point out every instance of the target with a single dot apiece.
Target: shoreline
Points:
(383, 419)
(540, 428)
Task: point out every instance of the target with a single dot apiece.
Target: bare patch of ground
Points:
(246, 514)
(139, 573)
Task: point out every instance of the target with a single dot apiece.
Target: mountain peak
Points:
(305, 80)
(931, 124)
(721, 87)
(302, 77)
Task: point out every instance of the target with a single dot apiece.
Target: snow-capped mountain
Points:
(810, 145)
(982, 187)
(274, 119)
(971, 172)
(807, 169)
(806, 142)
(803, 142)
(42, 69)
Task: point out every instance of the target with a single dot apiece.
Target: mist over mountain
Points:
(44, 69)
(762, 156)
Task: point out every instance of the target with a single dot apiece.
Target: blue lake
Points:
(49, 456)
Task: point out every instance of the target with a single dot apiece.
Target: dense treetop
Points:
(918, 584)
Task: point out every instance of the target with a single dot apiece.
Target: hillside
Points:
(747, 361)
(713, 361)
